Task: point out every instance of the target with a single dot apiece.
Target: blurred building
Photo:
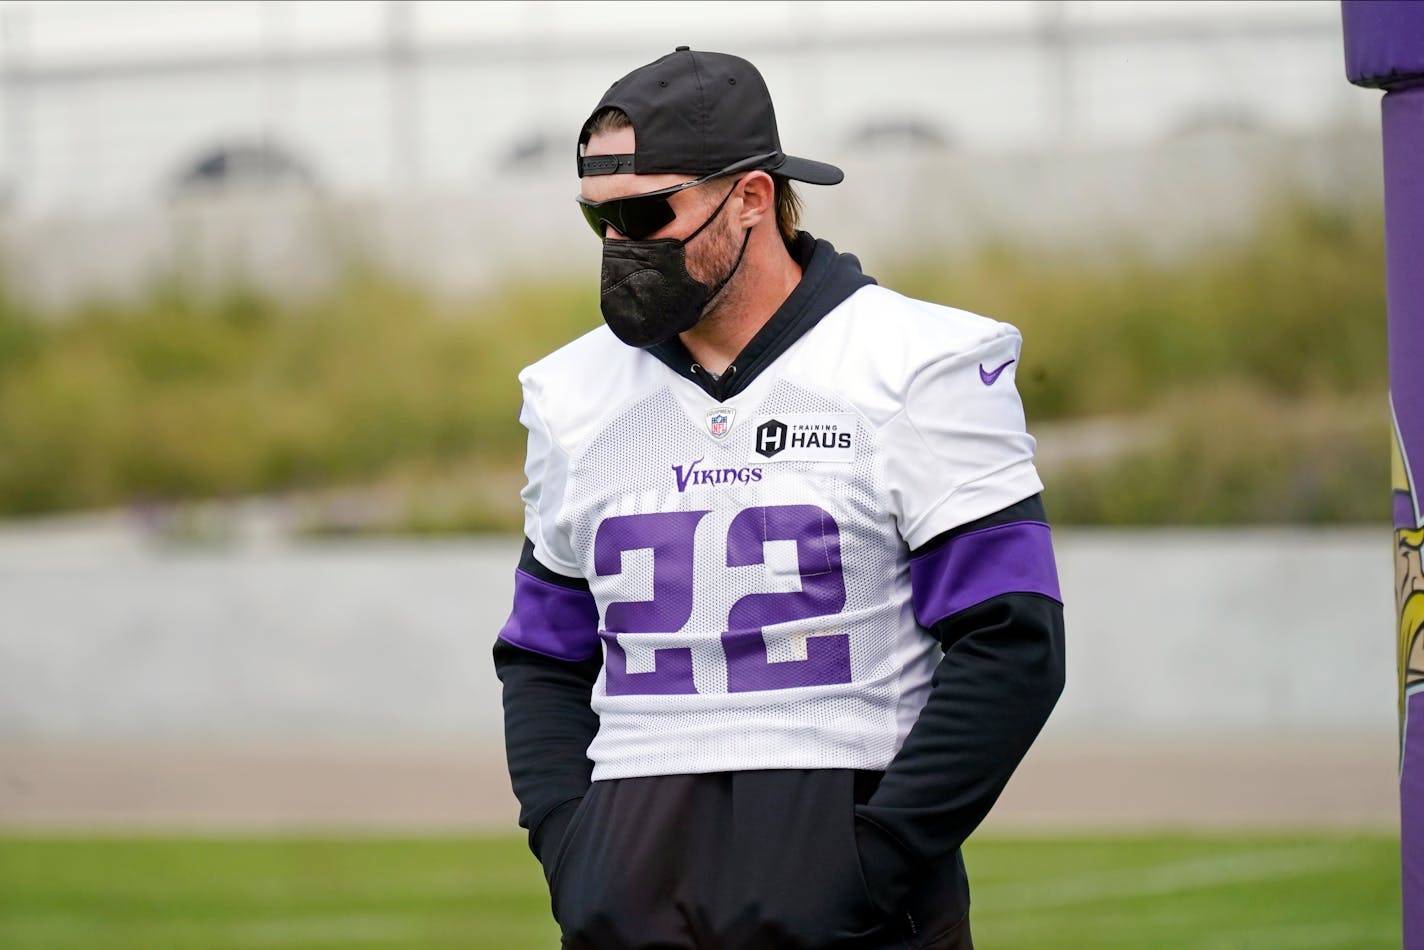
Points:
(423, 123)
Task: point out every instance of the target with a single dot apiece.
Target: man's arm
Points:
(989, 591)
(547, 656)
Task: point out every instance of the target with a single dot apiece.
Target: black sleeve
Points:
(1001, 675)
(548, 725)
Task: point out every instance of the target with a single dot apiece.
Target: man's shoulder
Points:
(878, 342)
(582, 379)
(882, 321)
(577, 361)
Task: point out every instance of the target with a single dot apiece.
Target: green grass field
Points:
(1060, 892)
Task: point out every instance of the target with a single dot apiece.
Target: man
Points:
(787, 616)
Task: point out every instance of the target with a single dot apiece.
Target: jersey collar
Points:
(827, 279)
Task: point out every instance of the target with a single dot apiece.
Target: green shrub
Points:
(1297, 306)
(1237, 454)
(185, 395)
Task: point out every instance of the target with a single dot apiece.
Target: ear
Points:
(758, 199)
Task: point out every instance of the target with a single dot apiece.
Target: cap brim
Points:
(804, 169)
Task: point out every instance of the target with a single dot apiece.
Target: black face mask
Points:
(646, 294)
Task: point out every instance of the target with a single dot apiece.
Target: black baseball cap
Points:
(698, 113)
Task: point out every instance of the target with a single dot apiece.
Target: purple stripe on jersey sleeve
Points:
(553, 620)
(1013, 558)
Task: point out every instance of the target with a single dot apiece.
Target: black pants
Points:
(741, 861)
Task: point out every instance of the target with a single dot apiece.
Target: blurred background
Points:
(268, 270)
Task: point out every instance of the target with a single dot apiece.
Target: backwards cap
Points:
(698, 113)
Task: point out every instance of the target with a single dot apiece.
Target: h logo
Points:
(770, 437)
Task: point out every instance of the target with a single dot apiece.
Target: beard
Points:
(716, 253)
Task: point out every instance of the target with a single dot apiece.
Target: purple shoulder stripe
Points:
(553, 620)
(1013, 558)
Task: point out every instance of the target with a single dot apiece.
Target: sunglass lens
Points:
(634, 218)
(594, 217)
(645, 215)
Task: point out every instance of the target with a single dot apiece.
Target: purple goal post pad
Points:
(551, 619)
(1384, 41)
(1013, 558)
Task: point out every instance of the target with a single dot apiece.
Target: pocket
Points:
(884, 867)
(858, 863)
(860, 872)
(939, 905)
(864, 920)
(855, 916)
(794, 874)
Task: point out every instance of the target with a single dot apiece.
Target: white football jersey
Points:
(749, 558)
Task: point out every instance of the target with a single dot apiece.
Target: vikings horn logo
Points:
(1408, 578)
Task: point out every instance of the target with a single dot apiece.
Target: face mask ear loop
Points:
(730, 274)
(713, 217)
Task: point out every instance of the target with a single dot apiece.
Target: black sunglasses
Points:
(638, 216)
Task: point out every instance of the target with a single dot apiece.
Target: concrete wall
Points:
(1171, 633)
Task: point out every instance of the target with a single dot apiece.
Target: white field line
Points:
(1301, 937)
(343, 929)
(1168, 878)
(340, 928)
(441, 885)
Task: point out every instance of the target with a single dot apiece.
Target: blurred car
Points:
(243, 165)
(537, 151)
(898, 133)
(1216, 121)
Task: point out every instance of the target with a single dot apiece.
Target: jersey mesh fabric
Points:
(633, 467)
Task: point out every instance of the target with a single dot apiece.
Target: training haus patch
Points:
(804, 437)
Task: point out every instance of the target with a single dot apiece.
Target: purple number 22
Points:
(670, 535)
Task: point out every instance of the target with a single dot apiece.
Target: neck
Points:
(761, 285)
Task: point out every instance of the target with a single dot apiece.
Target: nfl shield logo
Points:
(719, 421)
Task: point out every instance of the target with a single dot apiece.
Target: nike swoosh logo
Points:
(990, 377)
